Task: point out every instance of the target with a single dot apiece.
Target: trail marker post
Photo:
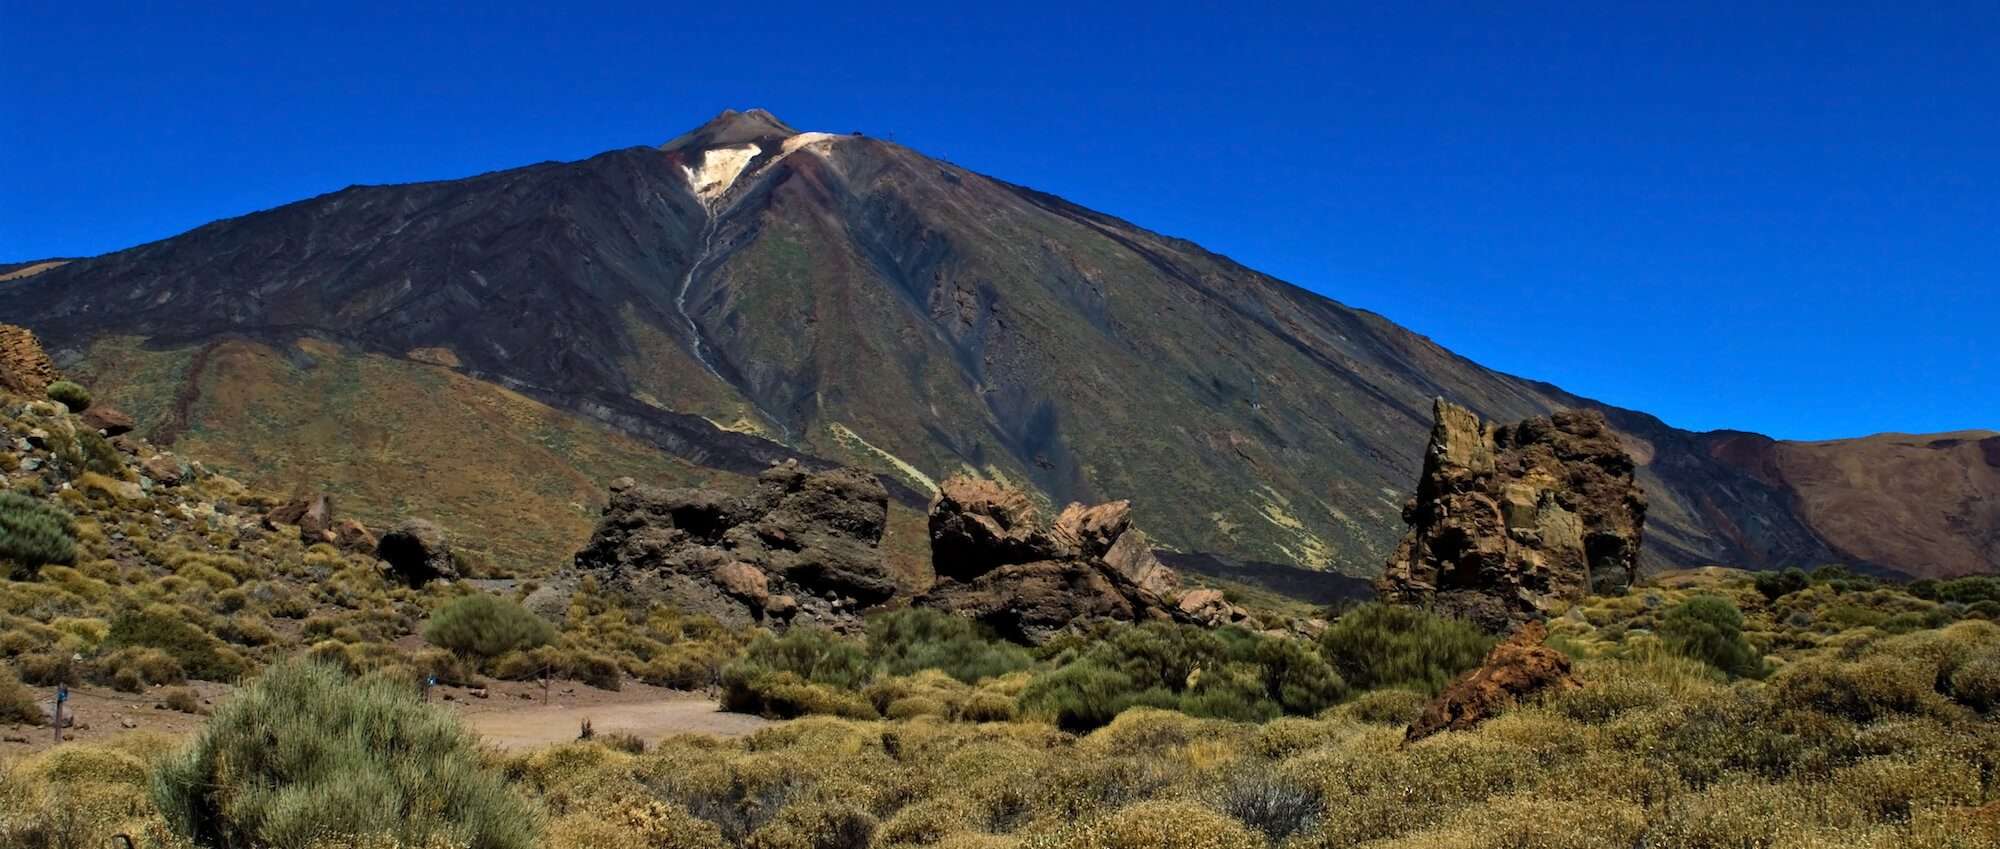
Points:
(62, 696)
(429, 682)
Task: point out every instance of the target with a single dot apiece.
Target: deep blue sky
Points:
(1776, 219)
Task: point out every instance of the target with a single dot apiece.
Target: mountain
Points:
(492, 349)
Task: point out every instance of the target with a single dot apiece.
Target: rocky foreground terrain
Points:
(494, 350)
(327, 682)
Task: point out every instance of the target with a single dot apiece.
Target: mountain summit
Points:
(733, 128)
(747, 292)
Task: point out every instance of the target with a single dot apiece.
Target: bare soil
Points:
(512, 716)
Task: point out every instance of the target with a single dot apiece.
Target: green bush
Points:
(34, 533)
(814, 654)
(1976, 684)
(164, 628)
(98, 454)
(486, 626)
(1235, 692)
(808, 670)
(1968, 590)
(307, 753)
(1776, 585)
(1085, 695)
(1710, 629)
(70, 395)
(17, 702)
(908, 641)
(1380, 645)
(1297, 678)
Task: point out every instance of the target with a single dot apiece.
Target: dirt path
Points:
(514, 717)
(511, 716)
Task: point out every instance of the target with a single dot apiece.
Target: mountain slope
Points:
(747, 292)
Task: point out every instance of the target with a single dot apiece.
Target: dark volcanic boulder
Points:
(1508, 522)
(1514, 670)
(418, 552)
(803, 548)
(998, 561)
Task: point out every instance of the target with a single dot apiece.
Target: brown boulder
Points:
(977, 524)
(804, 547)
(354, 536)
(1510, 522)
(998, 561)
(743, 581)
(311, 514)
(25, 368)
(164, 469)
(1210, 607)
(108, 419)
(1515, 669)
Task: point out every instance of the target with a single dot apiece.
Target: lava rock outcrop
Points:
(25, 368)
(804, 548)
(1510, 522)
(998, 561)
(1519, 667)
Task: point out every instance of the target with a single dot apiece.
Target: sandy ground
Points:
(101, 713)
(512, 716)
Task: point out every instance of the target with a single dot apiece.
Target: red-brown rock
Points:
(998, 561)
(1508, 523)
(354, 536)
(164, 469)
(24, 367)
(311, 514)
(108, 419)
(1515, 669)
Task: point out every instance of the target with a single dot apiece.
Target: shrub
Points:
(915, 639)
(1862, 691)
(47, 669)
(134, 668)
(1380, 645)
(17, 702)
(34, 533)
(1386, 707)
(1084, 695)
(70, 395)
(813, 654)
(98, 454)
(164, 628)
(1234, 692)
(1976, 684)
(181, 699)
(486, 626)
(308, 753)
(785, 695)
(815, 825)
(1274, 806)
(1298, 679)
(1775, 585)
(642, 824)
(1710, 629)
(597, 670)
(1164, 825)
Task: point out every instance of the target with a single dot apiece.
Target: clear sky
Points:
(1775, 219)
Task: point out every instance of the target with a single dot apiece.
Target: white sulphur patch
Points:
(720, 166)
(793, 143)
